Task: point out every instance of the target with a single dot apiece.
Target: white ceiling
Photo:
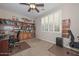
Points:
(22, 9)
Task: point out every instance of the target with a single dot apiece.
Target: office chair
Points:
(11, 41)
(73, 43)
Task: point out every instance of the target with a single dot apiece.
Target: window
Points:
(57, 21)
(51, 22)
(43, 24)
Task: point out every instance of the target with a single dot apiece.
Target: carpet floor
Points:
(62, 51)
(19, 48)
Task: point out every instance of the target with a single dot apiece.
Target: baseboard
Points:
(48, 41)
(53, 43)
(66, 46)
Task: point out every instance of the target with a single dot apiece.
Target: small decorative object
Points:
(26, 20)
(13, 18)
(17, 19)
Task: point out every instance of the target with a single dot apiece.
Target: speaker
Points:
(59, 41)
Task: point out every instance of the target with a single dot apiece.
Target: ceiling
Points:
(23, 9)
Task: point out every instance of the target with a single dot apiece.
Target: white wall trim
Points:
(48, 41)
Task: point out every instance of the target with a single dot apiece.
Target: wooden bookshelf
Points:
(65, 28)
(27, 29)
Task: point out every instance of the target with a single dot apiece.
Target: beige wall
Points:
(47, 36)
(69, 11)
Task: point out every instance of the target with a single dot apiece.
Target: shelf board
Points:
(16, 21)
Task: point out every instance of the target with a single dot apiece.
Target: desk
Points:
(25, 35)
(4, 45)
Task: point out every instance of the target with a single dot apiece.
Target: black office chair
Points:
(11, 41)
(73, 44)
(14, 42)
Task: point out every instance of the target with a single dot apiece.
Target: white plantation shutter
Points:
(57, 21)
(52, 22)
